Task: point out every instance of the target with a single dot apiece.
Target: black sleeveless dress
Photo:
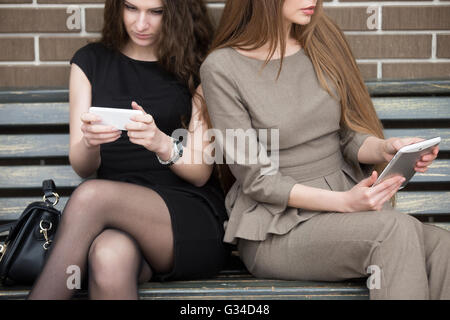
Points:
(197, 213)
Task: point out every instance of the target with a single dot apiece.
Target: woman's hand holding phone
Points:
(96, 134)
(143, 131)
(364, 198)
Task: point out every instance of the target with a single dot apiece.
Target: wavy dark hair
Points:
(185, 38)
(183, 44)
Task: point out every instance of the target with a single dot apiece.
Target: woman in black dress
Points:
(143, 218)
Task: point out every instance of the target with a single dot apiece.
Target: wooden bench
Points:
(34, 146)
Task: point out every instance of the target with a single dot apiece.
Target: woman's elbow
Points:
(82, 173)
(202, 178)
(199, 184)
(79, 170)
(200, 181)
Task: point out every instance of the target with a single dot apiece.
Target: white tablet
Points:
(114, 116)
(405, 160)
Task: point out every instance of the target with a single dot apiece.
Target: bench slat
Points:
(11, 208)
(388, 108)
(395, 108)
(438, 172)
(423, 203)
(376, 88)
(33, 96)
(408, 87)
(444, 133)
(253, 288)
(244, 287)
(17, 146)
(32, 176)
(34, 114)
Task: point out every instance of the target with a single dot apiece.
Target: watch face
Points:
(179, 147)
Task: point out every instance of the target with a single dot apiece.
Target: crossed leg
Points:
(97, 205)
(116, 267)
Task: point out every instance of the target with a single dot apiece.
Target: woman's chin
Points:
(302, 19)
(143, 42)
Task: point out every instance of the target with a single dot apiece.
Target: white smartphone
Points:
(405, 160)
(114, 116)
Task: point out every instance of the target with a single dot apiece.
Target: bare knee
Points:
(114, 259)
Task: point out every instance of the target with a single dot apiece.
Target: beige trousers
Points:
(413, 258)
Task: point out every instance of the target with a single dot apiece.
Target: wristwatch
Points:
(177, 153)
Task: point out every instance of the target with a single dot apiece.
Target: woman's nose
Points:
(142, 22)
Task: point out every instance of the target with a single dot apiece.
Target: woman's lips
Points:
(309, 10)
(142, 36)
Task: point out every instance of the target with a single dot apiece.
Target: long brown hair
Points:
(250, 24)
(184, 40)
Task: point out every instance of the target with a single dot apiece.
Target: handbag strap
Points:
(6, 226)
(49, 188)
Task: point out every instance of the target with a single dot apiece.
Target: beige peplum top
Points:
(313, 149)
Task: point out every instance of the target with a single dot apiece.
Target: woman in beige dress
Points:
(284, 65)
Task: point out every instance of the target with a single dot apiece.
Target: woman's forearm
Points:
(191, 166)
(371, 151)
(84, 161)
(197, 174)
(310, 198)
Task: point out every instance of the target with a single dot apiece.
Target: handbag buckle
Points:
(44, 231)
(56, 199)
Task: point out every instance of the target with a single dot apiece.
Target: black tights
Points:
(122, 232)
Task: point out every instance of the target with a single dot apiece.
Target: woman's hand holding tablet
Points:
(409, 159)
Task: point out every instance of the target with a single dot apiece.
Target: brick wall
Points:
(391, 39)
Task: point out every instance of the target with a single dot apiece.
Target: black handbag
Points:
(25, 249)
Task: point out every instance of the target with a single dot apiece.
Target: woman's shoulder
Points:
(218, 59)
(89, 57)
(91, 49)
